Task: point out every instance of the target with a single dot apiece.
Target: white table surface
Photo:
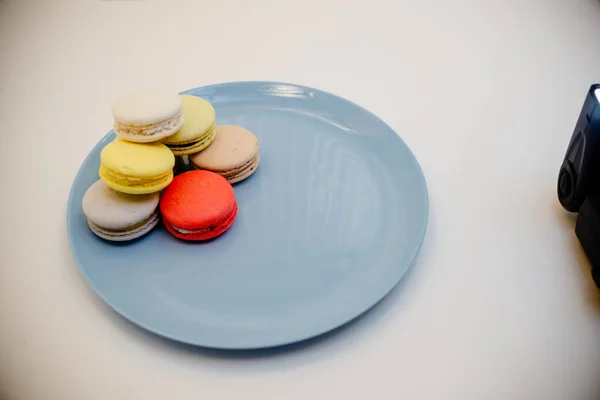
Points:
(499, 305)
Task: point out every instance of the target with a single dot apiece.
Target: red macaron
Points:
(198, 205)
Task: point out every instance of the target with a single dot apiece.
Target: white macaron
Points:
(147, 115)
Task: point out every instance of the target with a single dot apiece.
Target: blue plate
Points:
(327, 226)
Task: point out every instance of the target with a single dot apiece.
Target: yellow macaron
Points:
(136, 168)
(198, 129)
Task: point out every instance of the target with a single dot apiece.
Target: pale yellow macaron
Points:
(136, 168)
(198, 129)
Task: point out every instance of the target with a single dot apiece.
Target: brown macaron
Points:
(233, 154)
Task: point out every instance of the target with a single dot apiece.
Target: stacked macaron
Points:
(198, 129)
(155, 129)
(135, 167)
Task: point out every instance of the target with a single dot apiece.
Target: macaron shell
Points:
(136, 159)
(137, 187)
(199, 117)
(146, 106)
(211, 234)
(110, 209)
(233, 147)
(197, 200)
(125, 235)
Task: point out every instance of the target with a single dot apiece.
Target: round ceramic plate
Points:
(327, 226)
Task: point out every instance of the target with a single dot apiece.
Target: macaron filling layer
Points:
(193, 146)
(232, 175)
(128, 233)
(202, 143)
(126, 229)
(186, 232)
(220, 224)
(210, 132)
(125, 180)
(249, 166)
(161, 129)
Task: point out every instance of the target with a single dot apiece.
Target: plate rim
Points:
(274, 344)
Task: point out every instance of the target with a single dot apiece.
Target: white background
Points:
(499, 305)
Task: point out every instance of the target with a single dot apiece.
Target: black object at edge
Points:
(578, 176)
(578, 185)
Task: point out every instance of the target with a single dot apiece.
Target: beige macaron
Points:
(233, 154)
